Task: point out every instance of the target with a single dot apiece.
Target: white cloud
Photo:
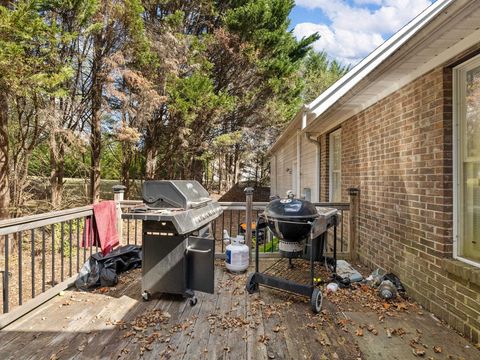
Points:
(356, 30)
(367, 2)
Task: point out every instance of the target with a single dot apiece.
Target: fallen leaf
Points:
(418, 352)
(437, 349)
(263, 339)
(359, 332)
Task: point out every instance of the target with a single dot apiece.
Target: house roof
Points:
(441, 32)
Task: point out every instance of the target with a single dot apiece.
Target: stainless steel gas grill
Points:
(301, 229)
(178, 247)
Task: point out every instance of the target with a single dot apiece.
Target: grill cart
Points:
(302, 232)
(178, 248)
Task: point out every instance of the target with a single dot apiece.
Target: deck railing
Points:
(234, 214)
(41, 255)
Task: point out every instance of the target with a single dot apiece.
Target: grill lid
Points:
(182, 194)
(291, 209)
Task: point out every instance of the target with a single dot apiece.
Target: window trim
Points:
(459, 78)
(330, 163)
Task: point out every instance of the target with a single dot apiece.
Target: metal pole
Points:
(354, 194)
(248, 218)
(335, 247)
(118, 194)
(5, 278)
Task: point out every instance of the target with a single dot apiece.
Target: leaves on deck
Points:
(362, 297)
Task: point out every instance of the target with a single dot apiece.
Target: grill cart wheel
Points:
(251, 286)
(146, 296)
(193, 301)
(316, 300)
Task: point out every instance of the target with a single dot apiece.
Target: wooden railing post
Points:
(248, 218)
(118, 192)
(354, 194)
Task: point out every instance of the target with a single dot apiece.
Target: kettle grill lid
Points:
(291, 209)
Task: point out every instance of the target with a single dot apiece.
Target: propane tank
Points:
(237, 253)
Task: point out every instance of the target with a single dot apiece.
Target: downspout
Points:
(315, 141)
(298, 175)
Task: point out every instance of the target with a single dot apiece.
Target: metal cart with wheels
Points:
(313, 252)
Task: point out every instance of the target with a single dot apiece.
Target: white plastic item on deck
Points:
(237, 254)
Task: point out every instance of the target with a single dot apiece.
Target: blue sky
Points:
(351, 29)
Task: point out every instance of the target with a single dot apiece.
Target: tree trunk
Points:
(96, 132)
(96, 146)
(57, 174)
(220, 173)
(197, 170)
(150, 162)
(4, 158)
(127, 159)
(235, 165)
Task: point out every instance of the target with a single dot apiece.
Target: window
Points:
(467, 161)
(335, 166)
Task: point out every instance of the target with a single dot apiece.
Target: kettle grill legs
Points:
(314, 293)
(252, 285)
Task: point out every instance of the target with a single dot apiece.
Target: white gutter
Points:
(367, 65)
(298, 175)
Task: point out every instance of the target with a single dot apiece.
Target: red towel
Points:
(104, 227)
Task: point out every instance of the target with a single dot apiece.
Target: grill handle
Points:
(192, 249)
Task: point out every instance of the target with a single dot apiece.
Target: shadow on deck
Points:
(230, 324)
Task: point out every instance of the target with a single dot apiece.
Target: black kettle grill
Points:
(290, 220)
(301, 229)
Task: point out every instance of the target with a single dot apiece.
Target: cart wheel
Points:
(193, 301)
(146, 296)
(251, 286)
(316, 300)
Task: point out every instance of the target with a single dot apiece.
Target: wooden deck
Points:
(230, 324)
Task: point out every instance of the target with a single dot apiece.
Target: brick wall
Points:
(399, 153)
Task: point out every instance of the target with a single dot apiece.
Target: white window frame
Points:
(459, 79)
(330, 162)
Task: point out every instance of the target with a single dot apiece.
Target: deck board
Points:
(198, 345)
(229, 324)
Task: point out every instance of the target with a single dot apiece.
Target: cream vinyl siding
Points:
(308, 168)
(285, 158)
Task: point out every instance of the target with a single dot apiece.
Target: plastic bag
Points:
(103, 271)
